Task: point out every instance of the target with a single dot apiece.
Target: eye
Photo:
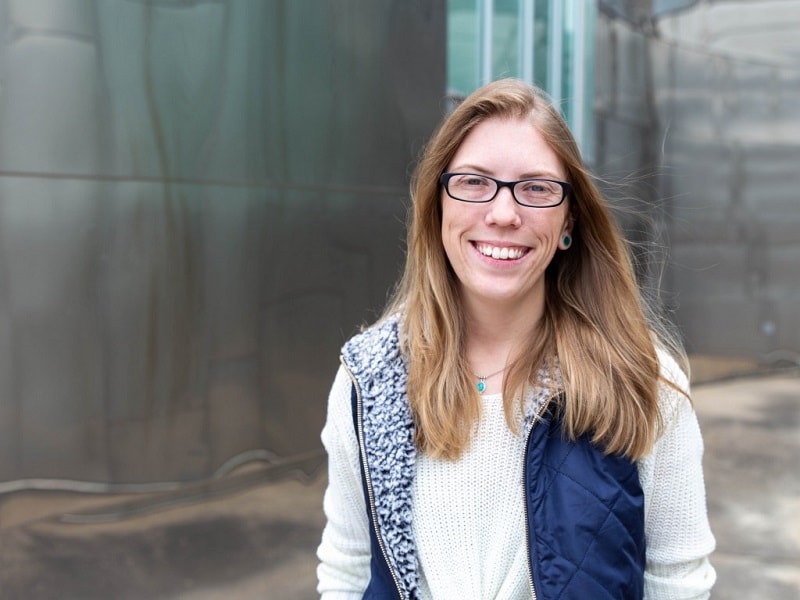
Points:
(538, 186)
(534, 186)
(471, 181)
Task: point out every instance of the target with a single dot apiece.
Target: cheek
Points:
(449, 241)
(453, 231)
(549, 228)
(450, 221)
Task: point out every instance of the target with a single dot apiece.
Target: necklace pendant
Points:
(481, 384)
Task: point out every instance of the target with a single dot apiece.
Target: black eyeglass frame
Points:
(445, 178)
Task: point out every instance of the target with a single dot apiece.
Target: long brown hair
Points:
(595, 323)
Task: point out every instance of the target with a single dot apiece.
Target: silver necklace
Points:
(482, 379)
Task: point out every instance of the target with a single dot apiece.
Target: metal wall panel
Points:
(704, 114)
(728, 83)
(199, 201)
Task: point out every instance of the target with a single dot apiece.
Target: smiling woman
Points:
(499, 249)
(516, 425)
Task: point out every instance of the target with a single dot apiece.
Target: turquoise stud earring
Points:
(566, 241)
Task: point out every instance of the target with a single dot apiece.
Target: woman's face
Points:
(499, 250)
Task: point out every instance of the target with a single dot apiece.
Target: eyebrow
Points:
(481, 171)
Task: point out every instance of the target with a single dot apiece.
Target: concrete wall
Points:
(701, 105)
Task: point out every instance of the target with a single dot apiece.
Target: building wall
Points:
(728, 78)
(700, 106)
(199, 201)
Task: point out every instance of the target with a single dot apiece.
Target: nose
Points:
(504, 210)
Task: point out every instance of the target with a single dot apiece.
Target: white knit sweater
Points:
(469, 515)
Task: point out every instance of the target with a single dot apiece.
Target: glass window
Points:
(505, 39)
(546, 42)
(541, 37)
(462, 46)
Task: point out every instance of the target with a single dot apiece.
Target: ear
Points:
(565, 240)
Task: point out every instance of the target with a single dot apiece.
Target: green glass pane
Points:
(567, 91)
(462, 46)
(540, 41)
(505, 39)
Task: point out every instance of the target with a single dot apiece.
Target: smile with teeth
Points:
(504, 253)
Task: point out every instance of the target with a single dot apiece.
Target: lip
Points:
(500, 251)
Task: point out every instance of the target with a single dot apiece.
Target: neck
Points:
(494, 333)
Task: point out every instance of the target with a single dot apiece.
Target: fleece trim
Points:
(376, 363)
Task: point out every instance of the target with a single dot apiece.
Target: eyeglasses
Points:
(536, 193)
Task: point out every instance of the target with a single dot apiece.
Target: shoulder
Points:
(671, 372)
(679, 432)
(377, 343)
(674, 390)
(674, 461)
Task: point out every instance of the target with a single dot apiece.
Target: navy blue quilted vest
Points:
(586, 518)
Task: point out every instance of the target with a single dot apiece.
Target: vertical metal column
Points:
(578, 96)
(485, 49)
(527, 17)
(555, 49)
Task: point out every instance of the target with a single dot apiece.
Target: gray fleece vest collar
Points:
(375, 361)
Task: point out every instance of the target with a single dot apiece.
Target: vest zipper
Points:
(525, 494)
(371, 498)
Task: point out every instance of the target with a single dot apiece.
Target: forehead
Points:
(509, 147)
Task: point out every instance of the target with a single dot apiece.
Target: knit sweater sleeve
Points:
(679, 538)
(344, 552)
